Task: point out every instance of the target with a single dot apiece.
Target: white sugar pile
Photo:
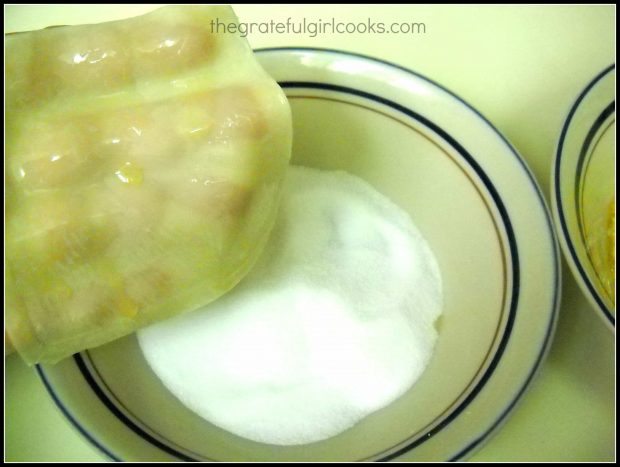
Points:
(335, 322)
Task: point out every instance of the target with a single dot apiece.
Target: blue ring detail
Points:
(512, 245)
(571, 248)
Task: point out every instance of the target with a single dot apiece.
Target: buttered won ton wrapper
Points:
(144, 162)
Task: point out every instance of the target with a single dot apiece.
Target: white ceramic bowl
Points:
(480, 209)
(583, 184)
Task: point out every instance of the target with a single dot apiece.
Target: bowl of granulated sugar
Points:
(402, 306)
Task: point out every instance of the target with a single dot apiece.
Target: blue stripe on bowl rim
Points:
(67, 413)
(585, 157)
(605, 312)
(515, 270)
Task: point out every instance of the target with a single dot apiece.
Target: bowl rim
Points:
(558, 209)
(472, 444)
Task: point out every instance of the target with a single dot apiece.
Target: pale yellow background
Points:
(521, 67)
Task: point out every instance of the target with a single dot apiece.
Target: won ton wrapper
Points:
(144, 162)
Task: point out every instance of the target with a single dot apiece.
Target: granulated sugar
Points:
(333, 323)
